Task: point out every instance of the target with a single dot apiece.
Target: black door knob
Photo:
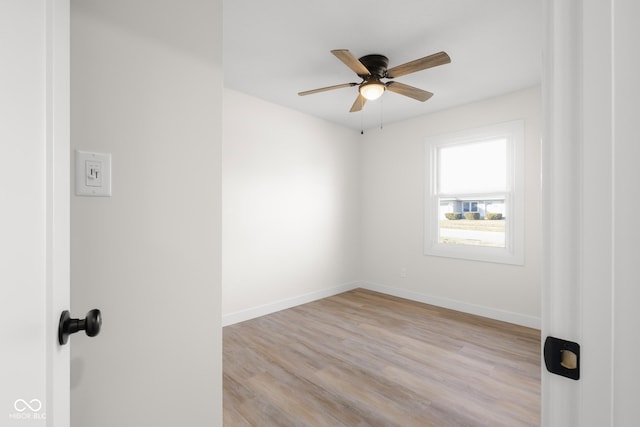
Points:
(90, 325)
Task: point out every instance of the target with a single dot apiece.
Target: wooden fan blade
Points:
(351, 61)
(430, 61)
(410, 91)
(324, 89)
(358, 104)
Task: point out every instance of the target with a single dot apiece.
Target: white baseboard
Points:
(491, 313)
(252, 313)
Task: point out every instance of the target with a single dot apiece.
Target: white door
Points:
(34, 211)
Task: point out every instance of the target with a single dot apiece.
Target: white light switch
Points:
(93, 174)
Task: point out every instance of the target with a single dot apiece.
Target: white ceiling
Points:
(275, 49)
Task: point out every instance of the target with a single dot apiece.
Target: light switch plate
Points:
(93, 174)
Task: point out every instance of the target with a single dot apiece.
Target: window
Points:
(470, 206)
(475, 194)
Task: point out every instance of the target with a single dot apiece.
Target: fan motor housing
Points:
(376, 64)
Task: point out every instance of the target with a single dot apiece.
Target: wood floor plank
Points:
(363, 358)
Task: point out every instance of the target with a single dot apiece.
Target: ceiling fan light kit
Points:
(372, 90)
(372, 68)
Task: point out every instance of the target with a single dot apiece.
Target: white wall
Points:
(291, 207)
(310, 209)
(393, 194)
(147, 88)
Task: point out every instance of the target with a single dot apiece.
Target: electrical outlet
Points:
(403, 272)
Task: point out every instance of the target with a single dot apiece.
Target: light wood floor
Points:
(366, 359)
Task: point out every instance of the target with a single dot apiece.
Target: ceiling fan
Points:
(372, 68)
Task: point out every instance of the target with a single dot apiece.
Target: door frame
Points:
(577, 168)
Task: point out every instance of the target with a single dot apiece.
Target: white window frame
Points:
(513, 252)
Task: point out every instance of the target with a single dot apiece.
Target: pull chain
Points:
(381, 111)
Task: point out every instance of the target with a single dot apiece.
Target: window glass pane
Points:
(472, 168)
(483, 226)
